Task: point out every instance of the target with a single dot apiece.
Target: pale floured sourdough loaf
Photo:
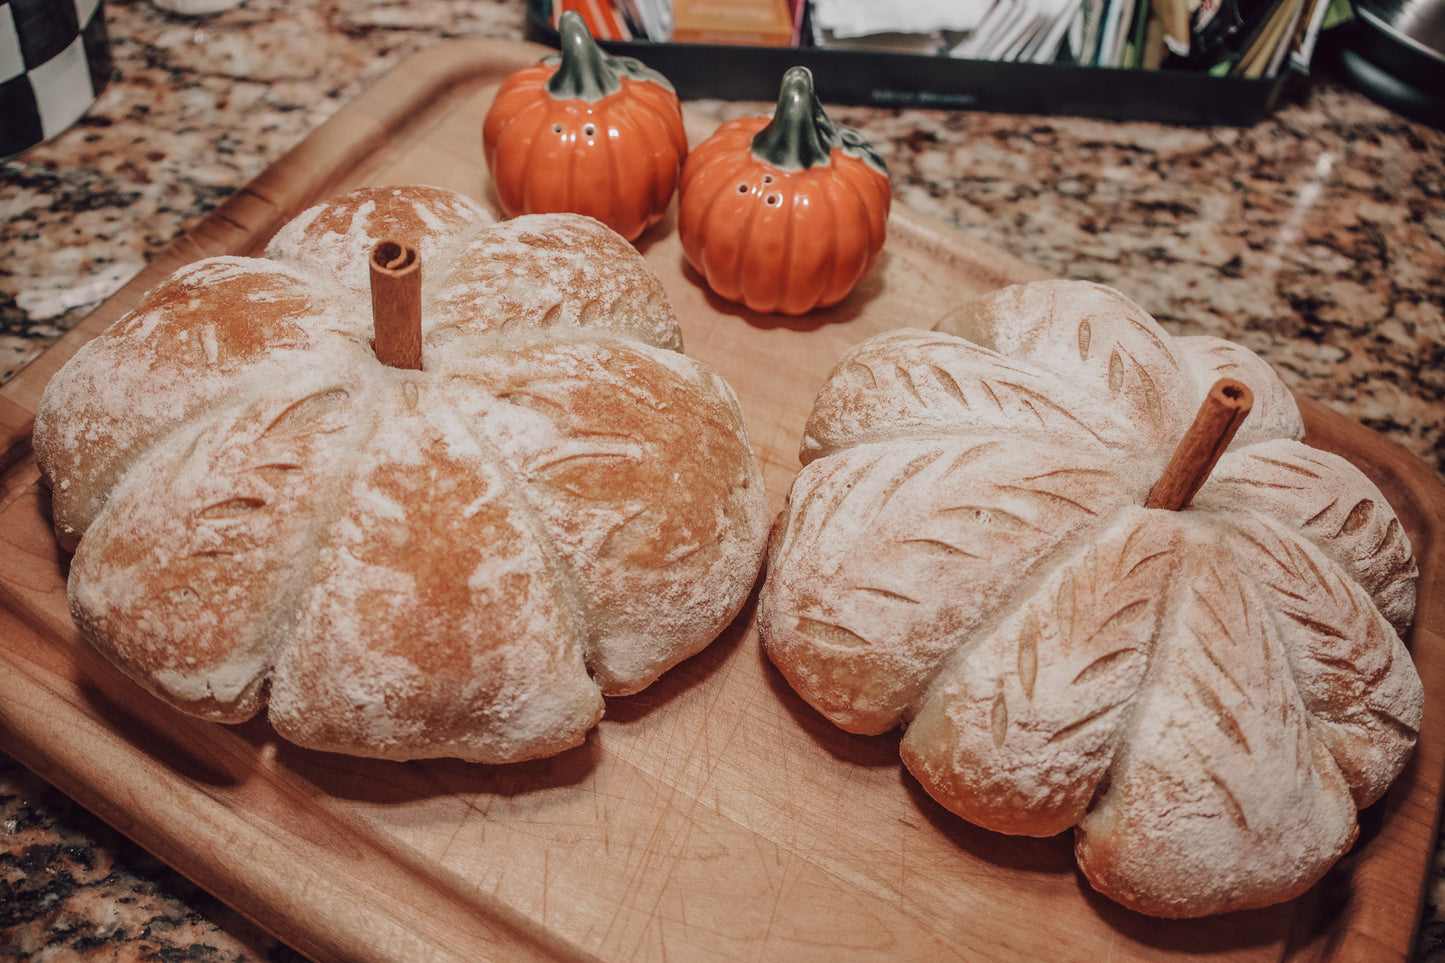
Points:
(1205, 695)
(460, 560)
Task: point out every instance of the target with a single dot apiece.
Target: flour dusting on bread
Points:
(1205, 695)
(457, 561)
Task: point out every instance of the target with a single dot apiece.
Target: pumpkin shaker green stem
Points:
(586, 132)
(587, 72)
(802, 135)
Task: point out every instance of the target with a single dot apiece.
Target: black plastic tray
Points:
(882, 79)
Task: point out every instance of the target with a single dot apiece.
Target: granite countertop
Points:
(1316, 238)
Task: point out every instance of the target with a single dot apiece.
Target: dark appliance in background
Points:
(1393, 52)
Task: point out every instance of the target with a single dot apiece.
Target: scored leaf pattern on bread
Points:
(1052, 678)
(161, 365)
(1353, 671)
(921, 383)
(568, 432)
(1329, 501)
(459, 560)
(1114, 352)
(1221, 794)
(877, 528)
(1222, 685)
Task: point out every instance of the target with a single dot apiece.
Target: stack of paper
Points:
(861, 18)
(653, 18)
(1022, 30)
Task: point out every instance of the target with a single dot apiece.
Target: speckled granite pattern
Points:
(72, 890)
(1317, 238)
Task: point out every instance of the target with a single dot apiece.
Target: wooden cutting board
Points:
(714, 815)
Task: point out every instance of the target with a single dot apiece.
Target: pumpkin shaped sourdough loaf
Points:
(1205, 695)
(460, 560)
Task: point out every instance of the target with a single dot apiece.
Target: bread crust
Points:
(1205, 696)
(457, 561)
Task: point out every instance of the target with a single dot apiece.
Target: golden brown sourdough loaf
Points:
(460, 560)
(1205, 695)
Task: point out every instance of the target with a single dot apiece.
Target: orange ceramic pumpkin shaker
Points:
(586, 132)
(784, 215)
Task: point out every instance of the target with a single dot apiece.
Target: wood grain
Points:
(713, 815)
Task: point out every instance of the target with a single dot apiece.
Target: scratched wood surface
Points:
(713, 815)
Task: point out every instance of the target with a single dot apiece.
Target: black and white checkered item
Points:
(54, 60)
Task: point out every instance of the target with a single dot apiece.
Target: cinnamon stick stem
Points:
(396, 304)
(1218, 418)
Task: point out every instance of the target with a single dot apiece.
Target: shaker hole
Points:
(773, 200)
(590, 130)
(556, 128)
